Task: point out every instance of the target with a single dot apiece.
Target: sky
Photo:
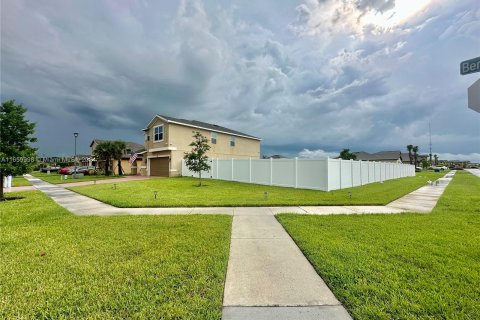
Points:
(308, 77)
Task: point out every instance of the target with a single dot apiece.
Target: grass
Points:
(184, 192)
(407, 266)
(56, 178)
(58, 266)
(20, 181)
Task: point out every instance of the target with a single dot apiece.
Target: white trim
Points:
(141, 152)
(143, 167)
(198, 127)
(163, 133)
(161, 156)
(162, 149)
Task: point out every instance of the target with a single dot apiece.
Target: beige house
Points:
(127, 167)
(167, 139)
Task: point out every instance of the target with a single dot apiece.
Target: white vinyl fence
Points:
(318, 174)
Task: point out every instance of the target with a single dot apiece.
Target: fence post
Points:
(326, 176)
(361, 178)
(250, 169)
(296, 172)
(351, 170)
(271, 171)
(340, 171)
(232, 170)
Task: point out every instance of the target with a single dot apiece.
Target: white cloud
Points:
(317, 154)
(472, 157)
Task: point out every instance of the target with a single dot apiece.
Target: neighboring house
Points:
(420, 157)
(382, 156)
(127, 167)
(167, 139)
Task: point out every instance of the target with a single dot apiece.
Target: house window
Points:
(213, 136)
(232, 141)
(158, 133)
(147, 137)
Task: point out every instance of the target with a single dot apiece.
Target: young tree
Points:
(347, 155)
(410, 148)
(436, 159)
(415, 155)
(16, 155)
(197, 160)
(103, 151)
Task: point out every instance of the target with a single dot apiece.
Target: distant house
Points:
(420, 157)
(382, 156)
(127, 167)
(167, 139)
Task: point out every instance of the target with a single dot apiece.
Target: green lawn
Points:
(20, 182)
(58, 266)
(185, 193)
(56, 178)
(407, 266)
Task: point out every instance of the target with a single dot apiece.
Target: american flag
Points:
(133, 157)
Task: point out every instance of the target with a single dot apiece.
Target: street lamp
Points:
(75, 134)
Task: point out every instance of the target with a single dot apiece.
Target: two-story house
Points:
(167, 139)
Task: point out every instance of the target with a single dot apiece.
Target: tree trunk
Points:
(2, 198)
(200, 179)
(107, 166)
(120, 167)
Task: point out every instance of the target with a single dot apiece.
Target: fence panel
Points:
(312, 174)
(318, 174)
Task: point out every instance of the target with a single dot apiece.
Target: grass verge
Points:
(20, 181)
(184, 192)
(56, 178)
(55, 265)
(406, 266)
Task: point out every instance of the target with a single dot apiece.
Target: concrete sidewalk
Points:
(268, 277)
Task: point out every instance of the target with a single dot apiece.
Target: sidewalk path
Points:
(268, 277)
(19, 189)
(475, 172)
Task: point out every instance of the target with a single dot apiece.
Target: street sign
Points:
(474, 96)
(470, 66)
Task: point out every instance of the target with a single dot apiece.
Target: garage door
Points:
(159, 167)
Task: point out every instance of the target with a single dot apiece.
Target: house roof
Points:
(201, 125)
(378, 156)
(133, 146)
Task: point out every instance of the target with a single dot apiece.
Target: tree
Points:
(410, 148)
(108, 151)
(436, 159)
(197, 159)
(347, 155)
(16, 154)
(415, 155)
(118, 148)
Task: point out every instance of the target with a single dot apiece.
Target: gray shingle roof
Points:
(133, 146)
(208, 126)
(378, 156)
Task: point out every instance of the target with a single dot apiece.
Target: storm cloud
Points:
(309, 78)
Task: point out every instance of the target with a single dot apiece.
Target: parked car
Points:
(418, 169)
(66, 170)
(51, 169)
(86, 170)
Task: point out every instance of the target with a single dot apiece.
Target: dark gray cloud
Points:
(292, 74)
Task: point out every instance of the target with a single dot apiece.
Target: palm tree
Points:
(409, 148)
(108, 151)
(118, 148)
(436, 159)
(415, 154)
